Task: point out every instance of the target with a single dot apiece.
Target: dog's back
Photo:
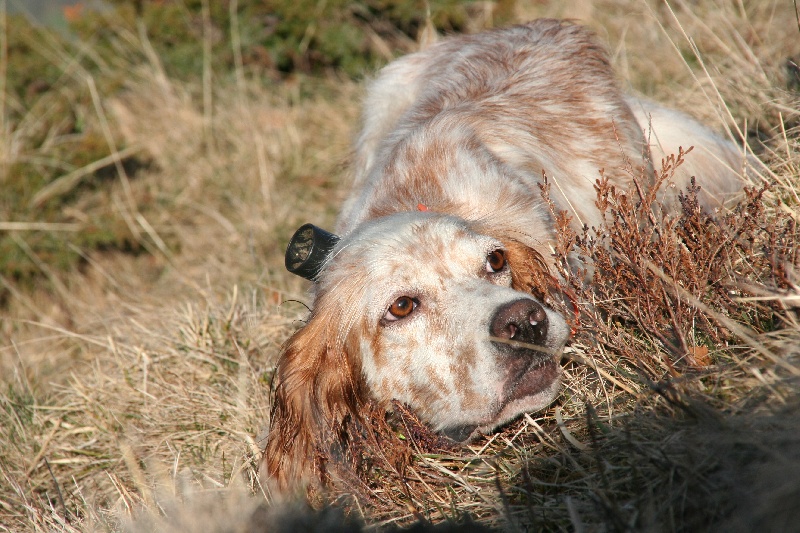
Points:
(539, 98)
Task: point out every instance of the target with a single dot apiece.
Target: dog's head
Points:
(421, 308)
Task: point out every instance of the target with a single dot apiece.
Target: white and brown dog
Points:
(446, 227)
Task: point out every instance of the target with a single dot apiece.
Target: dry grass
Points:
(136, 388)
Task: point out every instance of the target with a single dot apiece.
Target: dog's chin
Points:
(534, 390)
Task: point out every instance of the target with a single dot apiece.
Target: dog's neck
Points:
(453, 173)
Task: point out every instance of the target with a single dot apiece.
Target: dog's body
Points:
(446, 231)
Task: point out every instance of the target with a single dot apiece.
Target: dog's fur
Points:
(446, 216)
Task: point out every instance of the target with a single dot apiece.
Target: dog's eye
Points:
(495, 261)
(401, 308)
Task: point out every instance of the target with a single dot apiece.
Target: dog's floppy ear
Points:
(318, 388)
(529, 271)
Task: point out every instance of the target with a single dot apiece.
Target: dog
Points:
(426, 293)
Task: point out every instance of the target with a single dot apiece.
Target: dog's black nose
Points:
(522, 320)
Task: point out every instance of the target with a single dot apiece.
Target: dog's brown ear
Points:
(529, 271)
(318, 388)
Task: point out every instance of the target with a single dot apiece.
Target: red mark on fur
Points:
(422, 207)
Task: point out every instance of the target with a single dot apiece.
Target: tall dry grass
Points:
(136, 388)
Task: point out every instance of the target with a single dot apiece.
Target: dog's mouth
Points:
(529, 386)
(537, 377)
